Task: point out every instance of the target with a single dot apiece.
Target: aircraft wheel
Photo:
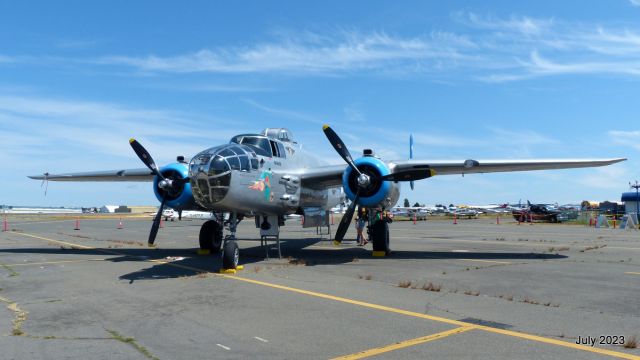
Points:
(380, 236)
(211, 236)
(230, 255)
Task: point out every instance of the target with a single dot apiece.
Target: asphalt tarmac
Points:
(466, 291)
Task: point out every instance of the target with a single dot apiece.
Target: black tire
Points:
(230, 255)
(380, 236)
(211, 236)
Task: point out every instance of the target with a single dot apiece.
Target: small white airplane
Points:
(269, 175)
(172, 215)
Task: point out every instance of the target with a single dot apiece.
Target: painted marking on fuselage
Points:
(263, 184)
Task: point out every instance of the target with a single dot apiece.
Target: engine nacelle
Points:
(379, 193)
(181, 197)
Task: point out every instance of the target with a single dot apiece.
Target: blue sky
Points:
(469, 79)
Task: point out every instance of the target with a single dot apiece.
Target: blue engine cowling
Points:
(378, 193)
(180, 198)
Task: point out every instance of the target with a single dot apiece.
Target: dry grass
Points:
(294, 261)
(431, 287)
(404, 284)
(471, 293)
(530, 301)
(631, 343)
(506, 297)
(595, 247)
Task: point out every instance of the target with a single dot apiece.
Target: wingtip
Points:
(132, 140)
(325, 127)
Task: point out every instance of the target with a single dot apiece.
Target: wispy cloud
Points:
(626, 138)
(94, 130)
(478, 47)
(522, 24)
(635, 2)
(285, 113)
(308, 53)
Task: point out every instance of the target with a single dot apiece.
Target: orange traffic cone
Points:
(497, 219)
(77, 227)
(5, 224)
(455, 219)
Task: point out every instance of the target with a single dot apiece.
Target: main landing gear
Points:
(379, 235)
(212, 241)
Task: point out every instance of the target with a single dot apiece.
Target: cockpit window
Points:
(259, 144)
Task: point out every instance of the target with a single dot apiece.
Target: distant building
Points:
(108, 209)
(630, 200)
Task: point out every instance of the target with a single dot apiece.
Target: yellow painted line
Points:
(632, 273)
(511, 333)
(55, 262)
(55, 241)
(329, 247)
(545, 340)
(487, 261)
(404, 344)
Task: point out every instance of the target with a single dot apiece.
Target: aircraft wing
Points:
(325, 176)
(142, 174)
(488, 166)
(321, 177)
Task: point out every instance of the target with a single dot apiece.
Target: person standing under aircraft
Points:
(361, 221)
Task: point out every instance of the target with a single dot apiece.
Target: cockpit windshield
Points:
(259, 144)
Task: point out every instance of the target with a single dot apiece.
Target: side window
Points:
(281, 151)
(274, 148)
(254, 164)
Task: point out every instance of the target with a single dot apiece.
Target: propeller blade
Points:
(346, 219)
(156, 222)
(410, 175)
(146, 158)
(340, 147)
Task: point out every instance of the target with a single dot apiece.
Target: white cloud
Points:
(348, 51)
(75, 131)
(627, 138)
(484, 48)
(635, 2)
(607, 177)
(522, 24)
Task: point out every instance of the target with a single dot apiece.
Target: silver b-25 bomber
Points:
(269, 175)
